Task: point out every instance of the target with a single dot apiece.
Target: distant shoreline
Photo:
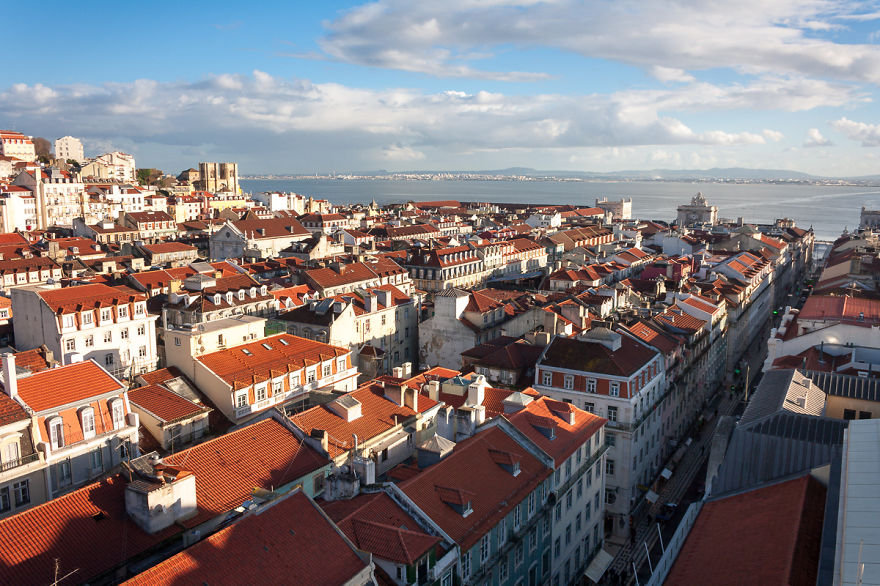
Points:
(552, 178)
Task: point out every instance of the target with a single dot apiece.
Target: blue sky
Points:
(463, 84)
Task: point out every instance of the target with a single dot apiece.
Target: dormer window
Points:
(459, 500)
(87, 420)
(106, 315)
(122, 310)
(241, 295)
(139, 309)
(87, 318)
(253, 292)
(216, 299)
(67, 321)
(117, 413)
(229, 297)
(263, 290)
(56, 432)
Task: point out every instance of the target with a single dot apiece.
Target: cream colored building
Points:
(68, 147)
(115, 166)
(216, 177)
(17, 145)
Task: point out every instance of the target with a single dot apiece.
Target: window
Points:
(70, 345)
(328, 369)
(591, 385)
(484, 549)
(311, 375)
(87, 419)
(580, 487)
(518, 554)
(864, 415)
(546, 378)
(504, 569)
(502, 531)
(532, 499)
(108, 337)
(615, 389)
(62, 472)
(557, 511)
(557, 547)
(142, 330)
(56, 433)
(277, 387)
(67, 321)
(610, 497)
(517, 517)
(533, 538)
(97, 459)
(4, 499)
(609, 467)
(122, 311)
(240, 400)
(568, 534)
(340, 365)
(610, 439)
(545, 526)
(569, 496)
(466, 566)
(568, 382)
(105, 315)
(117, 413)
(87, 318)
(142, 351)
(612, 413)
(139, 309)
(90, 341)
(590, 407)
(261, 393)
(596, 498)
(587, 512)
(124, 333)
(318, 483)
(577, 523)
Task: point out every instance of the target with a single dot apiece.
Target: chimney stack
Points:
(10, 382)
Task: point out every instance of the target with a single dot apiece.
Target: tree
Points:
(42, 146)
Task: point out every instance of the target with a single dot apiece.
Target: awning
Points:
(652, 496)
(666, 473)
(597, 567)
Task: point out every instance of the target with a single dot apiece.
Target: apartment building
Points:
(68, 147)
(22, 464)
(83, 420)
(86, 322)
(339, 278)
(246, 379)
(256, 238)
(443, 268)
(17, 145)
(621, 379)
(379, 325)
(575, 439)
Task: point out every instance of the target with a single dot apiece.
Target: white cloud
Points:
(772, 135)
(666, 37)
(867, 134)
(670, 74)
(397, 152)
(815, 139)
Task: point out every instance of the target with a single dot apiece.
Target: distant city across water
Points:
(828, 209)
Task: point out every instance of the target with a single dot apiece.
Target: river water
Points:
(828, 209)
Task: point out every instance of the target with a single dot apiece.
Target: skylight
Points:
(247, 352)
(266, 346)
(284, 342)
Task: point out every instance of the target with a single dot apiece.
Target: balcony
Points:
(9, 465)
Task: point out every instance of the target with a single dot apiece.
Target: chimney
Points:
(322, 436)
(10, 382)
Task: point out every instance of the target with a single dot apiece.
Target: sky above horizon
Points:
(318, 87)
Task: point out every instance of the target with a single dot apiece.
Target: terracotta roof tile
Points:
(568, 437)
(164, 404)
(279, 545)
(68, 384)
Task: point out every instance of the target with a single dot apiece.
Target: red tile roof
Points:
(265, 454)
(160, 376)
(87, 531)
(65, 385)
(291, 542)
(819, 307)
(10, 411)
(164, 404)
(285, 353)
(82, 297)
(375, 523)
(470, 473)
(378, 415)
(590, 356)
(568, 438)
(769, 535)
(168, 247)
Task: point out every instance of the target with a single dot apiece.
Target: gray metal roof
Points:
(777, 446)
(847, 385)
(786, 390)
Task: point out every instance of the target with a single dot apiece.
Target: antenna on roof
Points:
(58, 580)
